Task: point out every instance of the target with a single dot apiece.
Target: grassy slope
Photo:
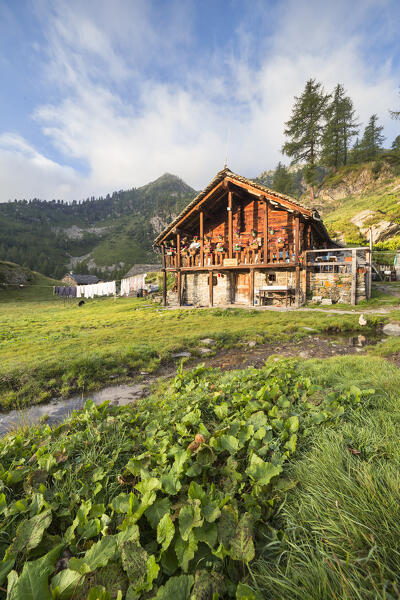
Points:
(380, 195)
(35, 287)
(53, 347)
(342, 517)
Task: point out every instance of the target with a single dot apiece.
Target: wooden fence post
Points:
(210, 287)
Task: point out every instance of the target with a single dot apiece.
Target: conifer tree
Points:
(305, 127)
(396, 144)
(341, 126)
(282, 180)
(371, 143)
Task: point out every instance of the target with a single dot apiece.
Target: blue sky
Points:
(99, 95)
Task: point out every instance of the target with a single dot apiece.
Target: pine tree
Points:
(282, 180)
(304, 129)
(340, 127)
(396, 144)
(371, 143)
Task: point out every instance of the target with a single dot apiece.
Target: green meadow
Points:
(52, 347)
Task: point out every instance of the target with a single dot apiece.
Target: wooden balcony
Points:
(241, 258)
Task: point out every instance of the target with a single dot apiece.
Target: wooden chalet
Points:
(238, 242)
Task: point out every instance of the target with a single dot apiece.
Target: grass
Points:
(51, 348)
(336, 535)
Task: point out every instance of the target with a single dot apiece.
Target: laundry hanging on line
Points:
(65, 291)
(132, 284)
(107, 288)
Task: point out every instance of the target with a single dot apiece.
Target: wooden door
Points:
(242, 288)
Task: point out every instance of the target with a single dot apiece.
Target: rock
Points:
(252, 344)
(303, 354)
(316, 299)
(391, 329)
(182, 355)
(362, 321)
(326, 301)
(309, 329)
(204, 350)
(380, 230)
(208, 341)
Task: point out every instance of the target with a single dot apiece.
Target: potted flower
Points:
(237, 246)
(219, 247)
(254, 233)
(195, 245)
(254, 244)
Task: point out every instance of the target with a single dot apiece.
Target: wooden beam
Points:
(281, 201)
(297, 238)
(201, 238)
(230, 225)
(210, 287)
(192, 210)
(265, 230)
(179, 283)
(252, 287)
(297, 286)
(354, 276)
(164, 293)
(178, 250)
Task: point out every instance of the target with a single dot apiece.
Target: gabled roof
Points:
(253, 188)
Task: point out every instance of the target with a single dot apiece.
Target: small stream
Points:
(59, 409)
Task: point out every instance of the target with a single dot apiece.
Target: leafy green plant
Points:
(173, 496)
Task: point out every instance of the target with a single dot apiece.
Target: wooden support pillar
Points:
(164, 293)
(297, 238)
(230, 225)
(178, 250)
(252, 287)
(179, 283)
(211, 287)
(265, 231)
(369, 269)
(354, 277)
(164, 276)
(297, 285)
(201, 238)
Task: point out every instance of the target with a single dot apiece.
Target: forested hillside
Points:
(100, 235)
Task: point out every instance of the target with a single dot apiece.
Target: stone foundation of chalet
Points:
(232, 287)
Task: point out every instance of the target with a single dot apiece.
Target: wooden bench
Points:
(268, 293)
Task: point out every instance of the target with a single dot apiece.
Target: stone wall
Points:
(196, 291)
(334, 286)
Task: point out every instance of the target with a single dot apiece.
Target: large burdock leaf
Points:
(185, 550)
(262, 472)
(32, 584)
(177, 588)
(29, 533)
(189, 517)
(97, 556)
(227, 525)
(292, 424)
(242, 545)
(134, 559)
(207, 585)
(165, 532)
(155, 513)
(229, 443)
(65, 583)
(140, 568)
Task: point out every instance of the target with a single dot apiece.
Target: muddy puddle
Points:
(246, 355)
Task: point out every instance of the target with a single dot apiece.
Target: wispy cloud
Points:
(138, 95)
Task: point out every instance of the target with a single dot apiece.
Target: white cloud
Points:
(128, 116)
(25, 173)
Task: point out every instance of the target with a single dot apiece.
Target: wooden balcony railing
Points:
(247, 256)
